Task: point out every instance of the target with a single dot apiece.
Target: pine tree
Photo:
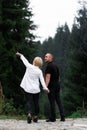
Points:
(16, 34)
(75, 80)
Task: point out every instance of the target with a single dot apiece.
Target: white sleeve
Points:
(25, 61)
(43, 81)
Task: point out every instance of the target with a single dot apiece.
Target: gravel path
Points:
(69, 124)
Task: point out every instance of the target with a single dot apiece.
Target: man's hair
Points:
(51, 55)
(38, 62)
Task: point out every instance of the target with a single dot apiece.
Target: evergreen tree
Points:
(16, 32)
(75, 80)
(47, 46)
(60, 42)
(58, 47)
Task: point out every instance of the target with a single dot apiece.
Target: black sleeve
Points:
(48, 69)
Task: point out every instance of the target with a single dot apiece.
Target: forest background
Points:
(69, 48)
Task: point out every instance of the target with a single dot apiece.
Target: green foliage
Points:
(76, 72)
(17, 117)
(79, 114)
(16, 34)
(68, 48)
(1, 105)
(70, 53)
(9, 108)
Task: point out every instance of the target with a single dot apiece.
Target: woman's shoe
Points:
(29, 118)
(35, 119)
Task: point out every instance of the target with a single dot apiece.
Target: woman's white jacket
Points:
(30, 82)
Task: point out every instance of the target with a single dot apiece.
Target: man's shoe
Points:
(29, 118)
(62, 119)
(50, 120)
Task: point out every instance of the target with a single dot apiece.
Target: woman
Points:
(31, 84)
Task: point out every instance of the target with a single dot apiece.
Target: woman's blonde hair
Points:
(38, 62)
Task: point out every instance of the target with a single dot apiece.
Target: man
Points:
(52, 82)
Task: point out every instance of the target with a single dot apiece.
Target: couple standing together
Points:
(31, 84)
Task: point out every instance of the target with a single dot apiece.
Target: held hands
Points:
(47, 90)
(18, 54)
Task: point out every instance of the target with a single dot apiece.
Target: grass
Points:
(18, 117)
(78, 114)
